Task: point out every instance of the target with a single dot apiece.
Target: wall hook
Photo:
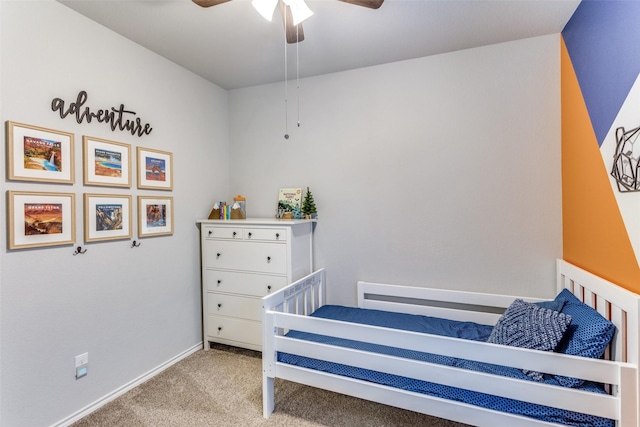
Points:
(135, 244)
(79, 251)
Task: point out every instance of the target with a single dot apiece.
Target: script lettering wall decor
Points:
(116, 118)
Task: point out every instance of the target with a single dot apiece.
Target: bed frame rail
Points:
(456, 305)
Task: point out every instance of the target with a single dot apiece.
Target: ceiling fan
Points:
(293, 12)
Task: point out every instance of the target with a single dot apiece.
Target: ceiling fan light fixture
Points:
(299, 10)
(265, 8)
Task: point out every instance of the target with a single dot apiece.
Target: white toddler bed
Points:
(292, 310)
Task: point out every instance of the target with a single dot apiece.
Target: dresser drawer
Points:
(234, 306)
(223, 233)
(243, 283)
(231, 329)
(266, 234)
(255, 256)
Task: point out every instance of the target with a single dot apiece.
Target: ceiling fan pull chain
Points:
(286, 86)
(298, 73)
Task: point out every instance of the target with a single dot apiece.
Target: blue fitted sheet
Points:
(436, 326)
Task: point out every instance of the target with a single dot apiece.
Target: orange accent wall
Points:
(594, 235)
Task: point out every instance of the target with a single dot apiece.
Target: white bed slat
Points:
(619, 348)
(414, 292)
(447, 409)
(447, 313)
(592, 369)
(543, 394)
(589, 298)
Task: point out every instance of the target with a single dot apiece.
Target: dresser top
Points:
(256, 221)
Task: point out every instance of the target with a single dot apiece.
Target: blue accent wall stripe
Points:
(603, 41)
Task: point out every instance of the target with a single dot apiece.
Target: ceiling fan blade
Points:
(371, 4)
(209, 3)
(294, 33)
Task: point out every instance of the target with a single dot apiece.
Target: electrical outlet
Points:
(82, 365)
(81, 371)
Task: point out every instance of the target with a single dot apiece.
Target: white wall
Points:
(436, 170)
(441, 171)
(131, 309)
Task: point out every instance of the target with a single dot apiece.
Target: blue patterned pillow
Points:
(555, 305)
(588, 335)
(528, 325)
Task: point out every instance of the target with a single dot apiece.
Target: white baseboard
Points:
(125, 388)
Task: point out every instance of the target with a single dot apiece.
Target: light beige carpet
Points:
(223, 387)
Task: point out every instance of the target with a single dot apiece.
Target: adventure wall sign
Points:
(116, 118)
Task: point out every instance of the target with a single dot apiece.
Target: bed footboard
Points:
(302, 297)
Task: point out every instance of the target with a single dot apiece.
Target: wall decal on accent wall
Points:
(626, 161)
(116, 118)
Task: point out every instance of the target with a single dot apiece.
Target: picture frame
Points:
(155, 216)
(106, 163)
(39, 154)
(155, 169)
(38, 219)
(107, 217)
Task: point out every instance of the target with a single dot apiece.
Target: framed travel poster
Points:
(41, 219)
(155, 169)
(155, 216)
(106, 162)
(107, 217)
(39, 154)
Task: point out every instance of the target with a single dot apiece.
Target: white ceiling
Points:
(232, 46)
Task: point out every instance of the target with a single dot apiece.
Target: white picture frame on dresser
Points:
(242, 261)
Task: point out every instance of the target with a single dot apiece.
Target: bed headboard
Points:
(620, 306)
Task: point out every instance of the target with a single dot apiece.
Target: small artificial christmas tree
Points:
(309, 206)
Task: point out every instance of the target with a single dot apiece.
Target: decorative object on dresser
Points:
(242, 261)
(239, 208)
(222, 210)
(290, 203)
(309, 209)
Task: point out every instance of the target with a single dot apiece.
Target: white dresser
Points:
(242, 261)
